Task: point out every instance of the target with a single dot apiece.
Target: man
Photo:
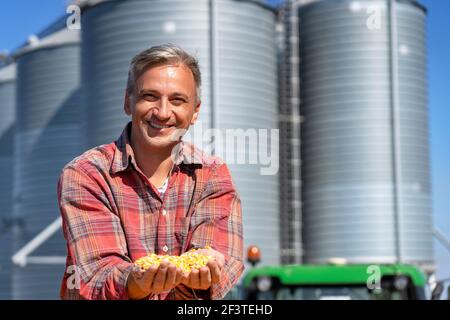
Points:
(150, 192)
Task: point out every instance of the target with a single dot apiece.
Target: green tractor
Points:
(334, 281)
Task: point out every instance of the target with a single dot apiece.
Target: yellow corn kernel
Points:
(186, 262)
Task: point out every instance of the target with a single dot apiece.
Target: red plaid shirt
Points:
(112, 215)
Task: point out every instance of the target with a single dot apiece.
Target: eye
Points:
(149, 97)
(178, 101)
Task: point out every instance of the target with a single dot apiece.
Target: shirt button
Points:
(164, 212)
(165, 249)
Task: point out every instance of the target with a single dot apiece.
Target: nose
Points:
(162, 112)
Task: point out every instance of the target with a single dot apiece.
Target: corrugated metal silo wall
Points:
(47, 137)
(347, 134)
(114, 32)
(414, 135)
(7, 119)
(247, 99)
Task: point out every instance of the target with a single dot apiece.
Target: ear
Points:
(127, 103)
(196, 113)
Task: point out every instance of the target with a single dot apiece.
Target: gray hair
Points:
(162, 55)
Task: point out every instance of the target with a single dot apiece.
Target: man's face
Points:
(164, 101)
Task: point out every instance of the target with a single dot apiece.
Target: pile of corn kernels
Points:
(186, 262)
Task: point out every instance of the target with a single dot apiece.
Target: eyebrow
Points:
(175, 94)
(179, 94)
(144, 91)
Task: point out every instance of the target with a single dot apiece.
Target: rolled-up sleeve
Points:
(217, 222)
(96, 245)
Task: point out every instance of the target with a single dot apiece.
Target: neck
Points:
(155, 164)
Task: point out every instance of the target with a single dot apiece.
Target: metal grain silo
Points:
(245, 82)
(47, 137)
(235, 43)
(365, 156)
(7, 120)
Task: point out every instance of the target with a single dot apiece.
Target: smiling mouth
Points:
(158, 126)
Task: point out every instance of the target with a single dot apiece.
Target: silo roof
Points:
(84, 4)
(412, 2)
(415, 3)
(87, 3)
(58, 38)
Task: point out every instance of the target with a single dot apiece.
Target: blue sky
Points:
(439, 95)
(20, 18)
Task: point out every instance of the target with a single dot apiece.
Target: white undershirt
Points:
(163, 188)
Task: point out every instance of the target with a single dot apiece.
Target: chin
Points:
(161, 143)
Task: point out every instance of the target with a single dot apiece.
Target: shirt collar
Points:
(184, 152)
(123, 154)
